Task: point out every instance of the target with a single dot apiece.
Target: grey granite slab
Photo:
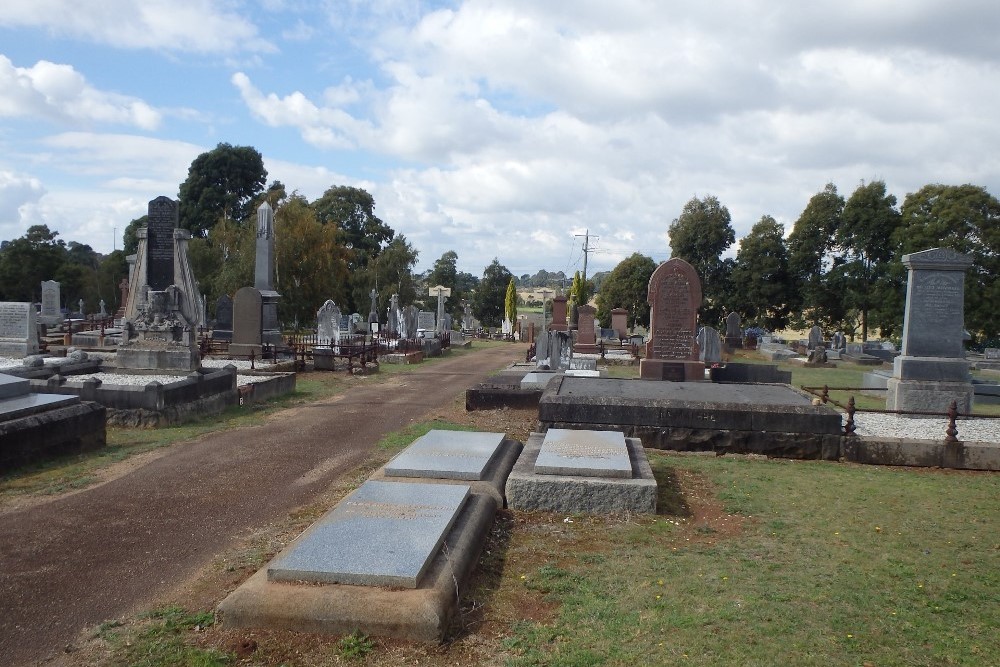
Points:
(11, 386)
(447, 455)
(383, 534)
(537, 380)
(585, 453)
(29, 404)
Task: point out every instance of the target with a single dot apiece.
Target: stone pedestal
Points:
(929, 384)
(155, 355)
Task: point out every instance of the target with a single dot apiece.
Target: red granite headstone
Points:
(559, 314)
(672, 350)
(619, 322)
(586, 339)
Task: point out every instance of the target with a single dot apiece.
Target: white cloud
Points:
(19, 193)
(60, 92)
(198, 26)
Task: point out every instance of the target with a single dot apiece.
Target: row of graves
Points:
(153, 375)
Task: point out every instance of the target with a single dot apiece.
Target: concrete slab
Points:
(537, 380)
(447, 455)
(383, 534)
(419, 614)
(586, 453)
(11, 386)
(31, 404)
(528, 490)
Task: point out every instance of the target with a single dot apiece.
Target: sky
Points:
(500, 130)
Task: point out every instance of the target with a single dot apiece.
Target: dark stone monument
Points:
(619, 322)
(932, 370)
(162, 215)
(586, 341)
(674, 298)
(247, 318)
(734, 334)
(223, 329)
(558, 322)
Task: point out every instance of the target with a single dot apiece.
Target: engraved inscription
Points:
(673, 330)
(937, 296)
(160, 243)
(14, 320)
(371, 509)
(585, 451)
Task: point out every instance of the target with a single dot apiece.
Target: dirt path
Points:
(113, 549)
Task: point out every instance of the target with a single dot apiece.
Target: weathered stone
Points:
(674, 299)
(447, 455)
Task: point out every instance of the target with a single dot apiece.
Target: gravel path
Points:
(874, 425)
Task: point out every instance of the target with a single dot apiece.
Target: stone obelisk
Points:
(264, 277)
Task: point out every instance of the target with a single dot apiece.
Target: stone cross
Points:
(441, 292)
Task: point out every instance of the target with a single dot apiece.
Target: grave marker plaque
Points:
(18, 329)
(447, 455)
(163, 218)
(383, 534)
(584, 453)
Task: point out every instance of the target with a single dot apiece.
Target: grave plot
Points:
(391, 558)
(582, 471)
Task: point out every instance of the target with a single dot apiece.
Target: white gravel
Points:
(875, 425)
(125, 379)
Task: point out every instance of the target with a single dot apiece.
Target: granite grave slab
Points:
(383, 534)
(587, 453)
(447, 455)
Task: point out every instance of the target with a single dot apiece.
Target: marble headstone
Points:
(584, 453)
(328, 323)
(18, 329)
(51, 302)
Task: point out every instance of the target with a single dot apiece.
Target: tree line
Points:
(840, 266)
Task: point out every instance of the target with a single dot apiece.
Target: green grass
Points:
(840, 565)
(163, 637)
(397, 440)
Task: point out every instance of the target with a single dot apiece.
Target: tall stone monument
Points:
(586, 340)
(674, 298)
(248, 308)
(223, 329)
(441, 292)
(932, 370)
(51, 302)
(264, 277)
(165, 308)
(734, 332)
(559, 314)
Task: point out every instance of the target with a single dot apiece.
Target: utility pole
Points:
(586, 251)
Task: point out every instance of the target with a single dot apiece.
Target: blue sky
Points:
(496, 129)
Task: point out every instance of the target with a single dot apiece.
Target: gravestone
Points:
(264, 277)
(328, 319)
(709, 345)
(18, 329)
(425, 321)
(584, 453)
(586, 341)
(558, 322)
(619, 322)
(441, 292)
(165, 307)
(467, 319)
(447, 455)
(383, 534)
(991, 353)
(815, 337)
(932, 370)
(223, 318)
(734, 333)
(412, 319)
(393, 316)
(674, 297)
(51, 301)
(247, 319)
(839, 341)
(542, 349)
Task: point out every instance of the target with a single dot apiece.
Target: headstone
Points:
(393, 316)
(734, 332)
(383, 534)
(103, 313)
(18, 329)
(542, 350)
(412, 320)
(447, 455)
(586, 342)
(247, 317)
(426, 321)
(815, 337)
(328, 324)
(674, 298)
(467, 316)
(619, 322)
(839, 341)
(441, 292)
(223, 318)
(932, 370)
(992, 353)
(709, 345)
(264, 277)
(162, 216)
(558, 322)
(50, 303)
(584, 453)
